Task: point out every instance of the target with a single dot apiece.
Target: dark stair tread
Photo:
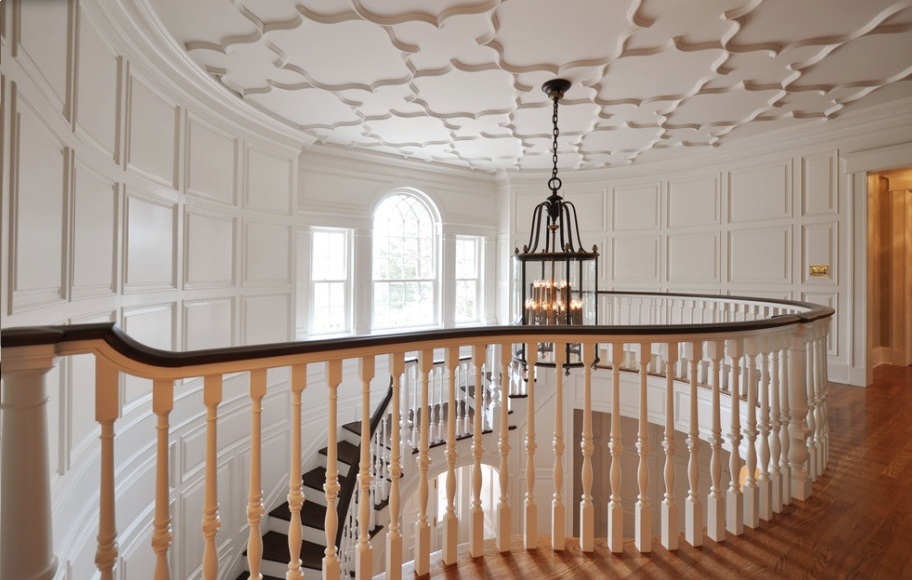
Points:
(459, 438)
(313, 515)
(246, 575)
(315, 478)
(275, 549)
(354, 427)
(346, 453)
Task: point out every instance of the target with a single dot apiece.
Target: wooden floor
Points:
(857, 524)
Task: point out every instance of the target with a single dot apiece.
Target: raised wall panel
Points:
(819, 184)
(266, 318)
(209, 250)
(269, 182)
(635, 259)
(42, 40)
(97, 74)
(589, 210)
(819, 248)
(190, 511)
(211, 162)
(694, 257)
(340, 192)
(694, 202)
(830, 299)
(636, 208)
(760, 256)
(523, 206)
(208, 323)
(267, 252)
(149, 244)
(760, 193)
(153, 129)
(94, 233)
(39, 212)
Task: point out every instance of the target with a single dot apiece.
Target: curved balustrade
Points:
(759, 363)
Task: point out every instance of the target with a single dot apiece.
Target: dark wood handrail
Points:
(117, 339)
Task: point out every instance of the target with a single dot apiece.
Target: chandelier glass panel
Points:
(555, 278)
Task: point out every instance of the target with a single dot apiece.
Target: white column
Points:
(670, 531)
(798, 429)
(25, 504)
(394, 536)
(451, 524)
(364, 556)
(530, 528)
(615, 509)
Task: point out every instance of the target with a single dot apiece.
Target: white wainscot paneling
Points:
(153, 326)
(523, 206)
(42, 43)
(269, 185)
(153, 129)
(138, 557)
(636, 208)
(830, 299)
(636, 259)
(819, 184)
(94, 234)
(208, 323)
(760, 256)
(694, 202)
(38, 217)
(267, 254)
(760, 193)
(819, 248)
(266, 319)
(694, 257)
(334, 191)
(211, 162)
(97, 75)
(210, 249)
(150, 244)
(589, 209)
(188, 536)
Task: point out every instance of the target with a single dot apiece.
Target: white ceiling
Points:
(458, 81)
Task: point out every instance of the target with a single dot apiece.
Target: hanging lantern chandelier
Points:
(555, 278)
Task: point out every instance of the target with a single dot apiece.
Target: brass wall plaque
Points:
(820, 271)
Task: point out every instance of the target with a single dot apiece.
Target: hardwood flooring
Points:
(857, 524)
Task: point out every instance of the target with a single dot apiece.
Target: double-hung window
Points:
(469, 264)
(330, 287)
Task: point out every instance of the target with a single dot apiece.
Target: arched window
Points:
(405, 263)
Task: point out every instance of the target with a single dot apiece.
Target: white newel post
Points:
(797, 429)
(25, 507)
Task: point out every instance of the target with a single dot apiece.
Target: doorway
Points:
(890, 267)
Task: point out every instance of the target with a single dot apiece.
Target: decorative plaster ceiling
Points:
(458, 81)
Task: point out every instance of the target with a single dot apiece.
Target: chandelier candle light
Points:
(555, 278)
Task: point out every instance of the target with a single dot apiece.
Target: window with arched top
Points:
(404, 263)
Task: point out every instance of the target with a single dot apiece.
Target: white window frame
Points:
(346, 281)
(478, 278)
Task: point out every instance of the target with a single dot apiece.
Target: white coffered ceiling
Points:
(458, 81)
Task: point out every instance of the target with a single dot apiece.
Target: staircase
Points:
(313, 511)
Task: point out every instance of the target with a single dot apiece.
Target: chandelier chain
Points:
(554, 183)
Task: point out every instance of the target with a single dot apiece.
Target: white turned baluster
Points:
(422, 528)
(587, 511)
(107, 409)
(763, 482)
(642, 509)
(331, 565)
(162, 404)
(466, 415)
(669, 506)
(476, 535)
(558, 511)
(530, 527)
(798, 427)
(734, 499)
(811, 406)
(295, 487)
(615, 509)
(212, 396)
(775, 443)
(451, 529)
(503, 506)
(819, 411)
(365, 553)
(824, 386)
(693, 514)
(750, 489)
(715, 501)
(786, 414)
(25, 516)
(255, 492)
(394, 535)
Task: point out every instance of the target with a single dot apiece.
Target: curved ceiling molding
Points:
(457, 81)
